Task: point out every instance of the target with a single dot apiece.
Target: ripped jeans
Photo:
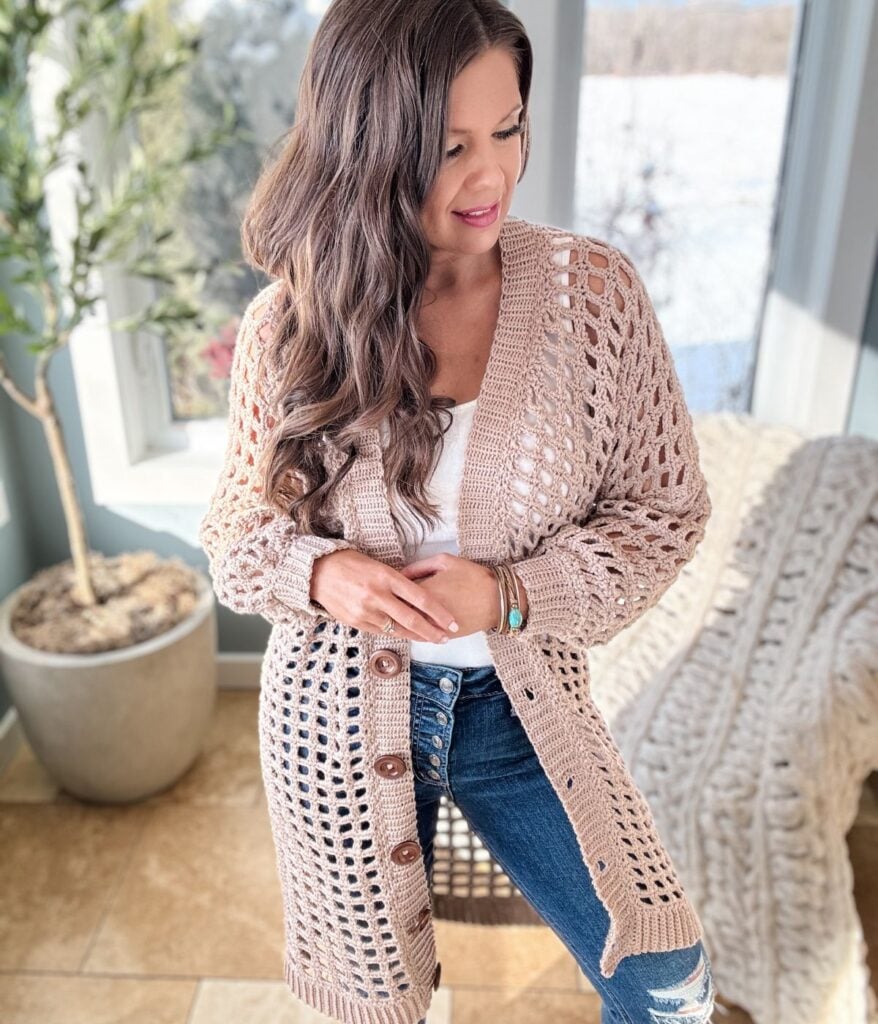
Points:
(468, 742)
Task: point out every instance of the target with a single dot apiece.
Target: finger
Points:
(412, 617)
(376, 626)
(415, 573)
(431, 564)
(422, 600)
(409, 622)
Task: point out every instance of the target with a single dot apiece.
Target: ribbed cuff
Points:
(552, 598)
(292, 578)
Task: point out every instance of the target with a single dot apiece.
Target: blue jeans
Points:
(468, 742)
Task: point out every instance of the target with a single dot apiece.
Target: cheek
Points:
(444, 191)
(440, 202)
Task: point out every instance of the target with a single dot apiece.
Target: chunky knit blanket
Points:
(746, 706)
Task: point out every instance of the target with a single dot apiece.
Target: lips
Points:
(478, 209)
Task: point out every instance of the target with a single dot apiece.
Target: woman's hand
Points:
(468, 588)
(364, 593)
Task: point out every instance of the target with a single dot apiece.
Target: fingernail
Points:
(454, 627)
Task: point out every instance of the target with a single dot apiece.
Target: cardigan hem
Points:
(647, 932)
(351, 1010)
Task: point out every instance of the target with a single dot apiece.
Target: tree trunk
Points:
(84, 591)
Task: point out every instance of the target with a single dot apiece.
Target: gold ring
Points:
(389, 626)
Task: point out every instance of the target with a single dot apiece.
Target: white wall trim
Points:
(11, 737)
(239, 670)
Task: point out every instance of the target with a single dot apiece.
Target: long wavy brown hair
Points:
(336, 216)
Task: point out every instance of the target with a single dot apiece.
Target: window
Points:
(682, 131)
(154, 417)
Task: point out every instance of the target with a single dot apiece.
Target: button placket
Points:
(448, 689)
(387, 663)
(425, 713)
(421, 921)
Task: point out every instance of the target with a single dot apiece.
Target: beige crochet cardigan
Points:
(581, 468)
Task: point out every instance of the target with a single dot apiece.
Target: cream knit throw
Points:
(746, 706)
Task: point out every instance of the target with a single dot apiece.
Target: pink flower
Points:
(219, 351)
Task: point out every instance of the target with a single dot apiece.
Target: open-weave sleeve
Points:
(588, 581)
(257, 559)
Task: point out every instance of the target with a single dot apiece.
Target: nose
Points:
(485, 169)
(486, 179)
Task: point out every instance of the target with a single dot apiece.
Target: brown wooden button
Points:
(405, 852)
(437, 974)
(385, 663)
(389, 766)
(420, 921)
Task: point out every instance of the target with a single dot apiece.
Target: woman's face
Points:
(483, 155)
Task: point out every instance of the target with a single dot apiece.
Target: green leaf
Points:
(11, 320)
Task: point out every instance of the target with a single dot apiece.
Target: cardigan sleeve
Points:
(258, 561)
(587, 582)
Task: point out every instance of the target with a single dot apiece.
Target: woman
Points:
(434, 585)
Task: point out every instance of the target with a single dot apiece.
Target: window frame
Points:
(825, 225)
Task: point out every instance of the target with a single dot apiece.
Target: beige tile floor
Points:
(168, 911)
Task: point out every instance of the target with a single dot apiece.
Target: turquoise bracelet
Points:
(514, 618)
(511, 619)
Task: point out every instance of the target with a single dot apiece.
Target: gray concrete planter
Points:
(118, 726)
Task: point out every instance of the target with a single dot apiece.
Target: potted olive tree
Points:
(110, 661)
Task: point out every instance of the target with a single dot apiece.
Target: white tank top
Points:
(443, 488)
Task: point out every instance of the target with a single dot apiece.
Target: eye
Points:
(507, 133)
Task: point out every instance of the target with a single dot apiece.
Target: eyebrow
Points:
(463, 131)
